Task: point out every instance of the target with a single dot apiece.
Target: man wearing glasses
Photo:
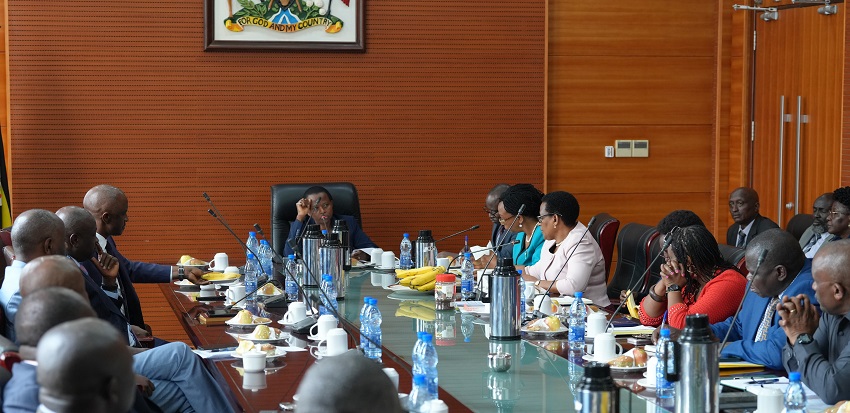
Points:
(500, 234)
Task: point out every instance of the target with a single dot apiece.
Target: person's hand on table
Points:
(303, 206)
(361, 256)
(527, 277)
(797, 316)
(195, 275)
(145, 385)
(674, 333)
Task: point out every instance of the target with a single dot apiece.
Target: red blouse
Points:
(719, 299)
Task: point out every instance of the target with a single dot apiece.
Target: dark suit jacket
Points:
(760, 225)
(104, 306)
(506, 251)
(131, 299)
(359, 239)
(139, 272)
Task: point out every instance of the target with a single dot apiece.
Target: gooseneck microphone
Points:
(761, 258)
(516, 241)
(558, 275)
(667, 241)
(479, 294)
(474, 227)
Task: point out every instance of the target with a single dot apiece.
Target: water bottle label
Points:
(466, 286)
(576, 334)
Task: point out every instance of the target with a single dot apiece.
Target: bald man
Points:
(82, 345)
(756, 335)
(817, 344)
(815, 235)
(35, 233)
(52, 270)
(744, 208)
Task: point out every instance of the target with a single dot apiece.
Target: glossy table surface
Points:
(540, 379)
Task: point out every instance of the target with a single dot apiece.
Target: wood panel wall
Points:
(447, 101)
(637, 70)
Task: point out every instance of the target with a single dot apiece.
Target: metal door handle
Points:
(789, 205)
(782, 120)
(801, 119)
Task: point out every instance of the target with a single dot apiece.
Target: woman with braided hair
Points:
(527, 251)
(694, 280)
(838, 220)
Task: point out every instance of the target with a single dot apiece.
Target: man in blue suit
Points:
(318, 205)
(757, 336)
(109, 206)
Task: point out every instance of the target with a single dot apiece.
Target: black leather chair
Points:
(633, 244)
(283, 212)
(604, 231)
(798, 224)
(735, 256)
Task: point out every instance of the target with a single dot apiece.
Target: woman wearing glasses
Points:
(570, 259)
(529, 237)
(838, 221)
(694, 280)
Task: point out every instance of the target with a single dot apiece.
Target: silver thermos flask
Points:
(340, 231)
(696, 368)
(310, 244)
(426, 249)
(505, 294)
(597, 393)
(330, 256)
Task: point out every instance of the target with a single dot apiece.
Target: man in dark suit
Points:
(108, 205)
(744, 207)
(499, 235)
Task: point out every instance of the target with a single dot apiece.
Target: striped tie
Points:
(742, 239)
(767, 320)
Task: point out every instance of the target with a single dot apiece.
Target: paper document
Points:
(623, 331)
(479, 251)
(813, 402)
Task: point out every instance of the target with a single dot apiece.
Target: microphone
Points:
(478, 293)
(586, 230)
(516, 241)
(761, 258)
(474, 227)
(252, 293)
(667, 242)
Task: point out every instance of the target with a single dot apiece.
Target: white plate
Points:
(378, 267)
(283, 336)
(269, 369)
(560, 330)
(363, 265)
(646, 383)
(235, 324)
(277, 292)
(314, 338)
(185, 283)
(278, 352)
(588, 357)
(568, 300)
(410, 295)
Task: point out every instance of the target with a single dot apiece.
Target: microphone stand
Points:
(537, 312)
(474, 227)
(479, 294)
(741, 304)
(667, 242)
(516, 241)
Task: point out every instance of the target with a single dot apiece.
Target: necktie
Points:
(811, 244)
(742, 239)
(767, 320)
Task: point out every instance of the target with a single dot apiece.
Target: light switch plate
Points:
(609, 151)
(623, 149)
(640, 149)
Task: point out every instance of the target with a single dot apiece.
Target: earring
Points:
(520, 225)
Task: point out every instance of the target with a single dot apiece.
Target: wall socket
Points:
(609, 151)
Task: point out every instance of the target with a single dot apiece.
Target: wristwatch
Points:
(804, 338)
(181, 273)
(674, 287)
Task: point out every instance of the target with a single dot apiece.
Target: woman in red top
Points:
(694, 280)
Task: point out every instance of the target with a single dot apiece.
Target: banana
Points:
(427, 277)
(427, 287)
(633, 309)
(412, 272)
(405, 281)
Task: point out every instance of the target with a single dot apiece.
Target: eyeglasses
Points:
(540, 217)
(833, 213)
(490, 212)
(503, 220)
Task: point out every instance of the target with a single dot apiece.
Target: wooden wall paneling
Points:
(724, 101)
(845, 99)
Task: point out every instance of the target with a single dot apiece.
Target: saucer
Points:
(646, 383)
(314, 338)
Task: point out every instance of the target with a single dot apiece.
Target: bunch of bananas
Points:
(633, 308)
(420, 310)
(422, 278)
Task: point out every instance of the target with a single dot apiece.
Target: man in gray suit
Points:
(816, 235)
(744, 207)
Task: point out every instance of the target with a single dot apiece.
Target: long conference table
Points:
(539, 380)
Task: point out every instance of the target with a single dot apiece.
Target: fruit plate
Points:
(588, 357)
(280, 337)
(257, 321)
(560, 330)
(219, 277)
(278, 352)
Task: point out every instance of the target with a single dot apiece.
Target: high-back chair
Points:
(798, 224)
(735, 256)
(604, 231)
(283, 212)
(633, 245)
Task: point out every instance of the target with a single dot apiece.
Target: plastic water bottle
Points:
(291, 273)
(418, 368)
(464, 250)
(521, 288)
(252, 244)
(266, 262)
(795, 394)
(405, 260)
(363, 323)
(663, 388)
(467, 278)
(329, 297)
(374, 320)
(419, 399)
(467, 326)
(250, 277)
(578, 321)
(429, 362)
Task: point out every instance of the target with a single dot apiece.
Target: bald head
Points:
(834, 259)
(80, 232)
(36, 233)
(52, 271)
(492, 200)
(81, 346)
(108, 205)
(47, 308)
(744, 205)
(782, 263)
(360, 386)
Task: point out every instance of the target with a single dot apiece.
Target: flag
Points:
(6, 209)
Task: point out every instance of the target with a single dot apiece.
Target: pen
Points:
(764, 381)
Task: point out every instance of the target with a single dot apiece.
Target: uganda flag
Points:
(6, 213)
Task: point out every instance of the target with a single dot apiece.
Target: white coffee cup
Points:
(651, 365)
(321, 328)
(543, 303)
(393, 375)
(444, 262)
(319, 351)
(377, 253)
(530, 290)
(596, 322)
(769, 400)
(254, 361)
(605, 347)
(335, 342)
(254, 380)
(388, 260)
(219, 262)
(297, 311)
(376, 277)
(231, 270)
(235, 293)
